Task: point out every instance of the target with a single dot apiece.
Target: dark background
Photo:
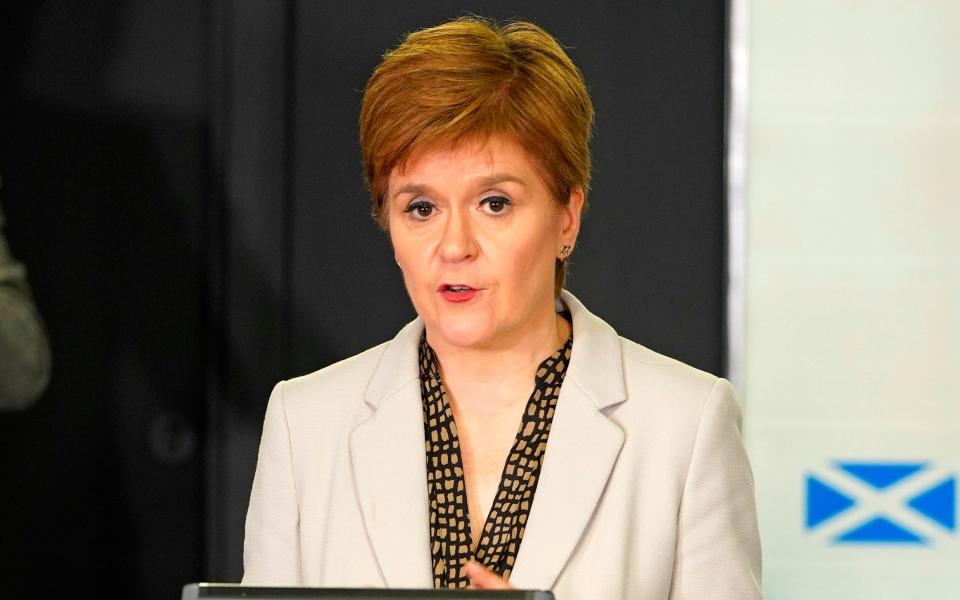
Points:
(182, 180)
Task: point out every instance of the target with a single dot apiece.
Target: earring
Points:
(564, 251)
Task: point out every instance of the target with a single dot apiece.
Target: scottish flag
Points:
(881, 503)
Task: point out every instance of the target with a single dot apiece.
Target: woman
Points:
(507, 436)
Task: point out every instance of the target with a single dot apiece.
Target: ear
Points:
(570, 217)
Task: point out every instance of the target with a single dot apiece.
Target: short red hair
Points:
(466, 80)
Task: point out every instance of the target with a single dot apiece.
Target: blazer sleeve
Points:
(24, 348)
(718, 543)
(271, 546)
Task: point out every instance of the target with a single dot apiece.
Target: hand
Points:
(484, 579)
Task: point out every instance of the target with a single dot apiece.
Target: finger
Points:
(483, 578)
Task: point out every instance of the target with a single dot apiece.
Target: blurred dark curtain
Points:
(182, 180)
(102, 158)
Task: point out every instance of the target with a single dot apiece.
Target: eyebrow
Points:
(500, 178)
(412, 188)
(422, 188)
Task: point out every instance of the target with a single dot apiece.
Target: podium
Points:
(231, 591)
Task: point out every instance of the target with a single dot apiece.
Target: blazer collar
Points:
(397, 365)
(596, 361)
(390, 472)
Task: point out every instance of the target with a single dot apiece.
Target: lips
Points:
(457, 292)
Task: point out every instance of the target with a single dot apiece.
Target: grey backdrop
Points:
(183, 181)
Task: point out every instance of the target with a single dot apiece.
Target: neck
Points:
(511, 360)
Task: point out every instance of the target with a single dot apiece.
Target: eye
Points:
(495, 206)
(421, 210)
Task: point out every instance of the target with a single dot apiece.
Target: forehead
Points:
(496, 157)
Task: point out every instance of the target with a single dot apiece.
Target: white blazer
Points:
(645, 490)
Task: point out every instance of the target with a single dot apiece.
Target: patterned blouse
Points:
(449, 517)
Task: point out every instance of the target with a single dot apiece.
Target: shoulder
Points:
(674, 394)
(648, 370)
(642, 386)
(345, 392)
(337, 388)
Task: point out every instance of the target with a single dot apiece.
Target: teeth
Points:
(457, 288)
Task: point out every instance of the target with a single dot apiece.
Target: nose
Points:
(458, 242)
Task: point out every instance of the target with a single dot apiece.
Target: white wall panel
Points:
(851, 290)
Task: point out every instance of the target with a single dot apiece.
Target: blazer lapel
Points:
(389, 466)
(581, 452)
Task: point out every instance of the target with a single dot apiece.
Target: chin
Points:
(462, 332)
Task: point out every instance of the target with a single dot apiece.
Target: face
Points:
(476, 233)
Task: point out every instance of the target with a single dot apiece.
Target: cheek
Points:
(412, 257)
(527, 260)
(405, 245)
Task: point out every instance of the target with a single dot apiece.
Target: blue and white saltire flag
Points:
(858, 502)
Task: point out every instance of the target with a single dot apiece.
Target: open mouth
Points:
(457, 292)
